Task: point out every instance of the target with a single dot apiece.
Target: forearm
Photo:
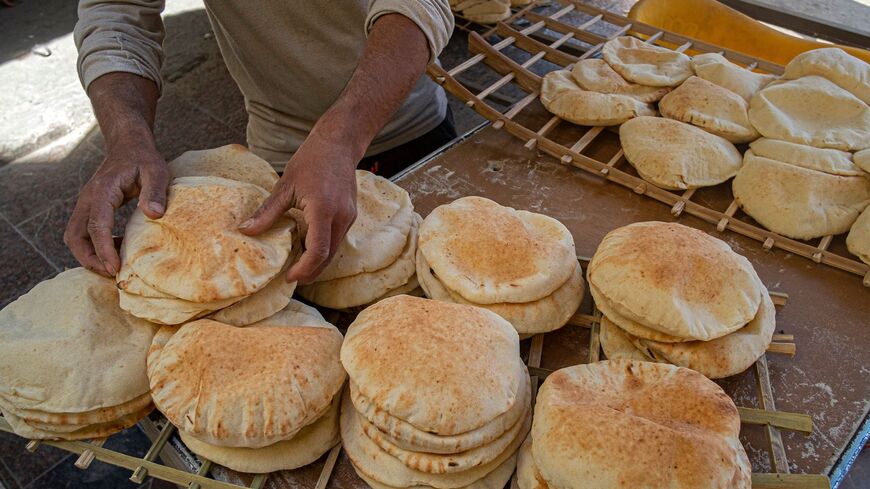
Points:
(125, 105)
(394, 58)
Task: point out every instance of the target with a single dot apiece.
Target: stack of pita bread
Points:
(376, 258)
(255, 399)
(72, 363)
(194, 260)
(438, 396)
(621, 424)
(674, 294)
(484, 11)
(801, 180)
(517, 264)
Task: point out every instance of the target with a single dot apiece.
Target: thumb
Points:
(154, 180)
(265, 216)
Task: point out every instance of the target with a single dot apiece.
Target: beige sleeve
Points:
(119, 36)
(433, 17)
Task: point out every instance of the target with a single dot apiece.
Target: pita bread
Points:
(74, 313)
(488, 253)
(714, 68)
(99, 430)
(497, 479)
(797, 202)
(862, 160)
(675, 279)
(295, 314)
(378, 235)
(858, 240)
(596, 75)
(617, 345)
(540, 316)
(395, 353)
(488, 12)
(451, 462)
(42, 419)
(167, 311)
(305, 448)
(371, 462)
(848, 72)
(812, 111)
(627, 325)
(528, 475)
(266, 301)
(710, 107)
(405, 436)
(677, 156)
(562, 96)
(646, 64)
(831, 161)
(637, 424)
(233, 162)
(722, 357)
(245, 387)
(364, 288)
(195, 252)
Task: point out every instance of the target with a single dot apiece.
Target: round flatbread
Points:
(637, 424)
(862, 160)
(630, 327)
(858, 240)
(66, 347)
(450, 463)
(831, 161)
(561, 95)
(675, 279)
(245, 387)
(646, 64)
(813, 111)
(196, 252)
(847, 71)
(384, 216)
(304, 448)
(528, 475)
(677, 156)
(81, 419)
(797, 202)
(405, 436)
(595, 75)
(710, 107)
(714, 68)
(371, 462)
(366, 287)
(233, 162)
(540, 316)
(722, 357)
(488, 253)
(394, 353)
(90, 432)
(617, 345)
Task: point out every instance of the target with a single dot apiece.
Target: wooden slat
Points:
(779, 419)
(778, 459)
(526, 43)
(790, 481)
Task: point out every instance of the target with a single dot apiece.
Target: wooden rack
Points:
(522, 31)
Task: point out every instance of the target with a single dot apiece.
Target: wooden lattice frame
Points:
(529, 82)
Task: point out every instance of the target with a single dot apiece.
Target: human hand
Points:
(320, 180)
(133, 167)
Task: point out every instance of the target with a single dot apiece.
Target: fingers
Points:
(78, 239)
(317, 249)
(269, 212)
(99, 226)
(154, 184)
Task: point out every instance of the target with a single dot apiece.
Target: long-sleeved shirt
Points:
(291, 59)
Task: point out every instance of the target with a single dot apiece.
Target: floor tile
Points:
(130, 442)
(23, 465)
(211, 88)
(7, 481)
(28, 188)
(46, 230)
(21, 267)
(181, 127)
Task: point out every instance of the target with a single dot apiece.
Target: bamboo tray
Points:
(546, 43)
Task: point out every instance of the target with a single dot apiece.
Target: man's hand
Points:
(320, 179)
(124, 105)
(126, 172)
